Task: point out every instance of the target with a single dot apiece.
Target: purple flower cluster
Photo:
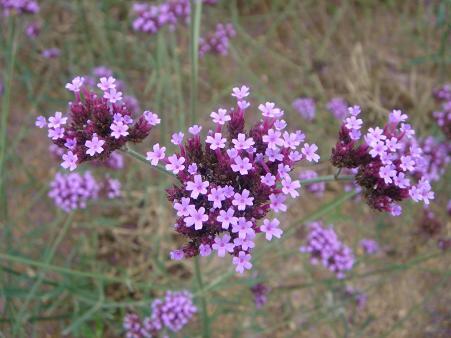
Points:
(315, 188)
(19, 6)
(151, 18)
(51, 53)
(387, 160)
(434, 160)
(97, 125)
(217, 42)
(260, 292)
(443, 117)
(338, 107)
(306, 107)
(369, 246)
(324, 246)
(73, 191)
(171, 313)
(232, 179)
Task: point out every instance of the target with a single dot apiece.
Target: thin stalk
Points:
(141, 158)
(195, 33)
(327, 178)
(206, 333)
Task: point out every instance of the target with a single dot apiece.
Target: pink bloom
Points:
(241, 143)
(407, 163)
(183, 208)
(309, 152)
(41, 122)
(56, 134)
(268, 179)
(119, 129)
(175, 164)
(245, 243)
(223, 245)
(216, 196)
(76, 84)
(195, 130)
(69, 161)
(217, 142)
(151, 118)
(196, 218)
(204, 250)
(269, 110)
(352, 123)
(289, 187)
(226, 218)
(197, 186)
(106, 84)
(277, 202)
(397, 116)
(273, 139)
(177, 138)
(113, 95)
(192, 168)
(94, 145)
(156, 155)
(271, 228)
(242, 262)
(240, 93)
(220, 117)
(241, 165)
(243, 228)
(387, 173)
(378, 149)
(241, 201)
(57, 121)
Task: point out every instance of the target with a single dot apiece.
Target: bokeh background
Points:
(77, 274)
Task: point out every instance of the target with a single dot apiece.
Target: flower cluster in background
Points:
(443, 117)
(434, 160)
(369, 246)
(32, 30)
(171, 313)
(315, 188)
(232, 178)
(306, 107)
(324, 246)
(260, 292)
(51, 53)
(338, 107)
(151, 18)
(19, 6)
(217, 42)
(74, 190)
(97, 125)
(387, 160)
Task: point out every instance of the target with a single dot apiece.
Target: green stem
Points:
(327, 178)
(141, 158)
(195, 33)
(205, 320)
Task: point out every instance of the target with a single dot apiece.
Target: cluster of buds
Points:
(19, 6)
(306, 107)
(386, 159)
(324, 247)
(443, 117)
(217, 42)
(170, 313)
(151, 18)
(232, 179)
(97, 124)
(73, 191)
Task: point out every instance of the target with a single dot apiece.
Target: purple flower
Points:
(305, 107)
(324, 246)
(197, 186)
(94, 145)
(369, 246)
(240, 92)
(226, 218)
(113, 95)
(217, 42)
(107, 83)
(222, 244)
(197, 217)
(268, 179)
(177, 138)
(216, 142)
(277, 202)
(290, 187)
(76, 84)
(309, 151)
(271, 228)
(216, 196)
(243, 228)
(69, 161)
(242, 262)
(338, 107)
(195, 130)
(242, 165)
(175, 164)
(57, 120)
(183, 208)
(32, 30)
(220, 117)
(51, 53)
(119, 129)
(157, 154)
(151, 118)
(241, 201)
(41, 122)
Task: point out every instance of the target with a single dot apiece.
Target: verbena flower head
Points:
(51, 53)
(315, 188)
(33, 30)
(171, 313)
(19, 6)
(324, 247)
(151, 18)
(443, 93)
(73, 191)
(386, 158)
(231, 179)
(217, 42)
(338, 107)
(97, 124)
(306, 107)
(369, 246)
(434, 160)
(443, 117)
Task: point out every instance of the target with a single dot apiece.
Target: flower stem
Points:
(327, 178)
(141, 158)
(196, 16)
(205, 320)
